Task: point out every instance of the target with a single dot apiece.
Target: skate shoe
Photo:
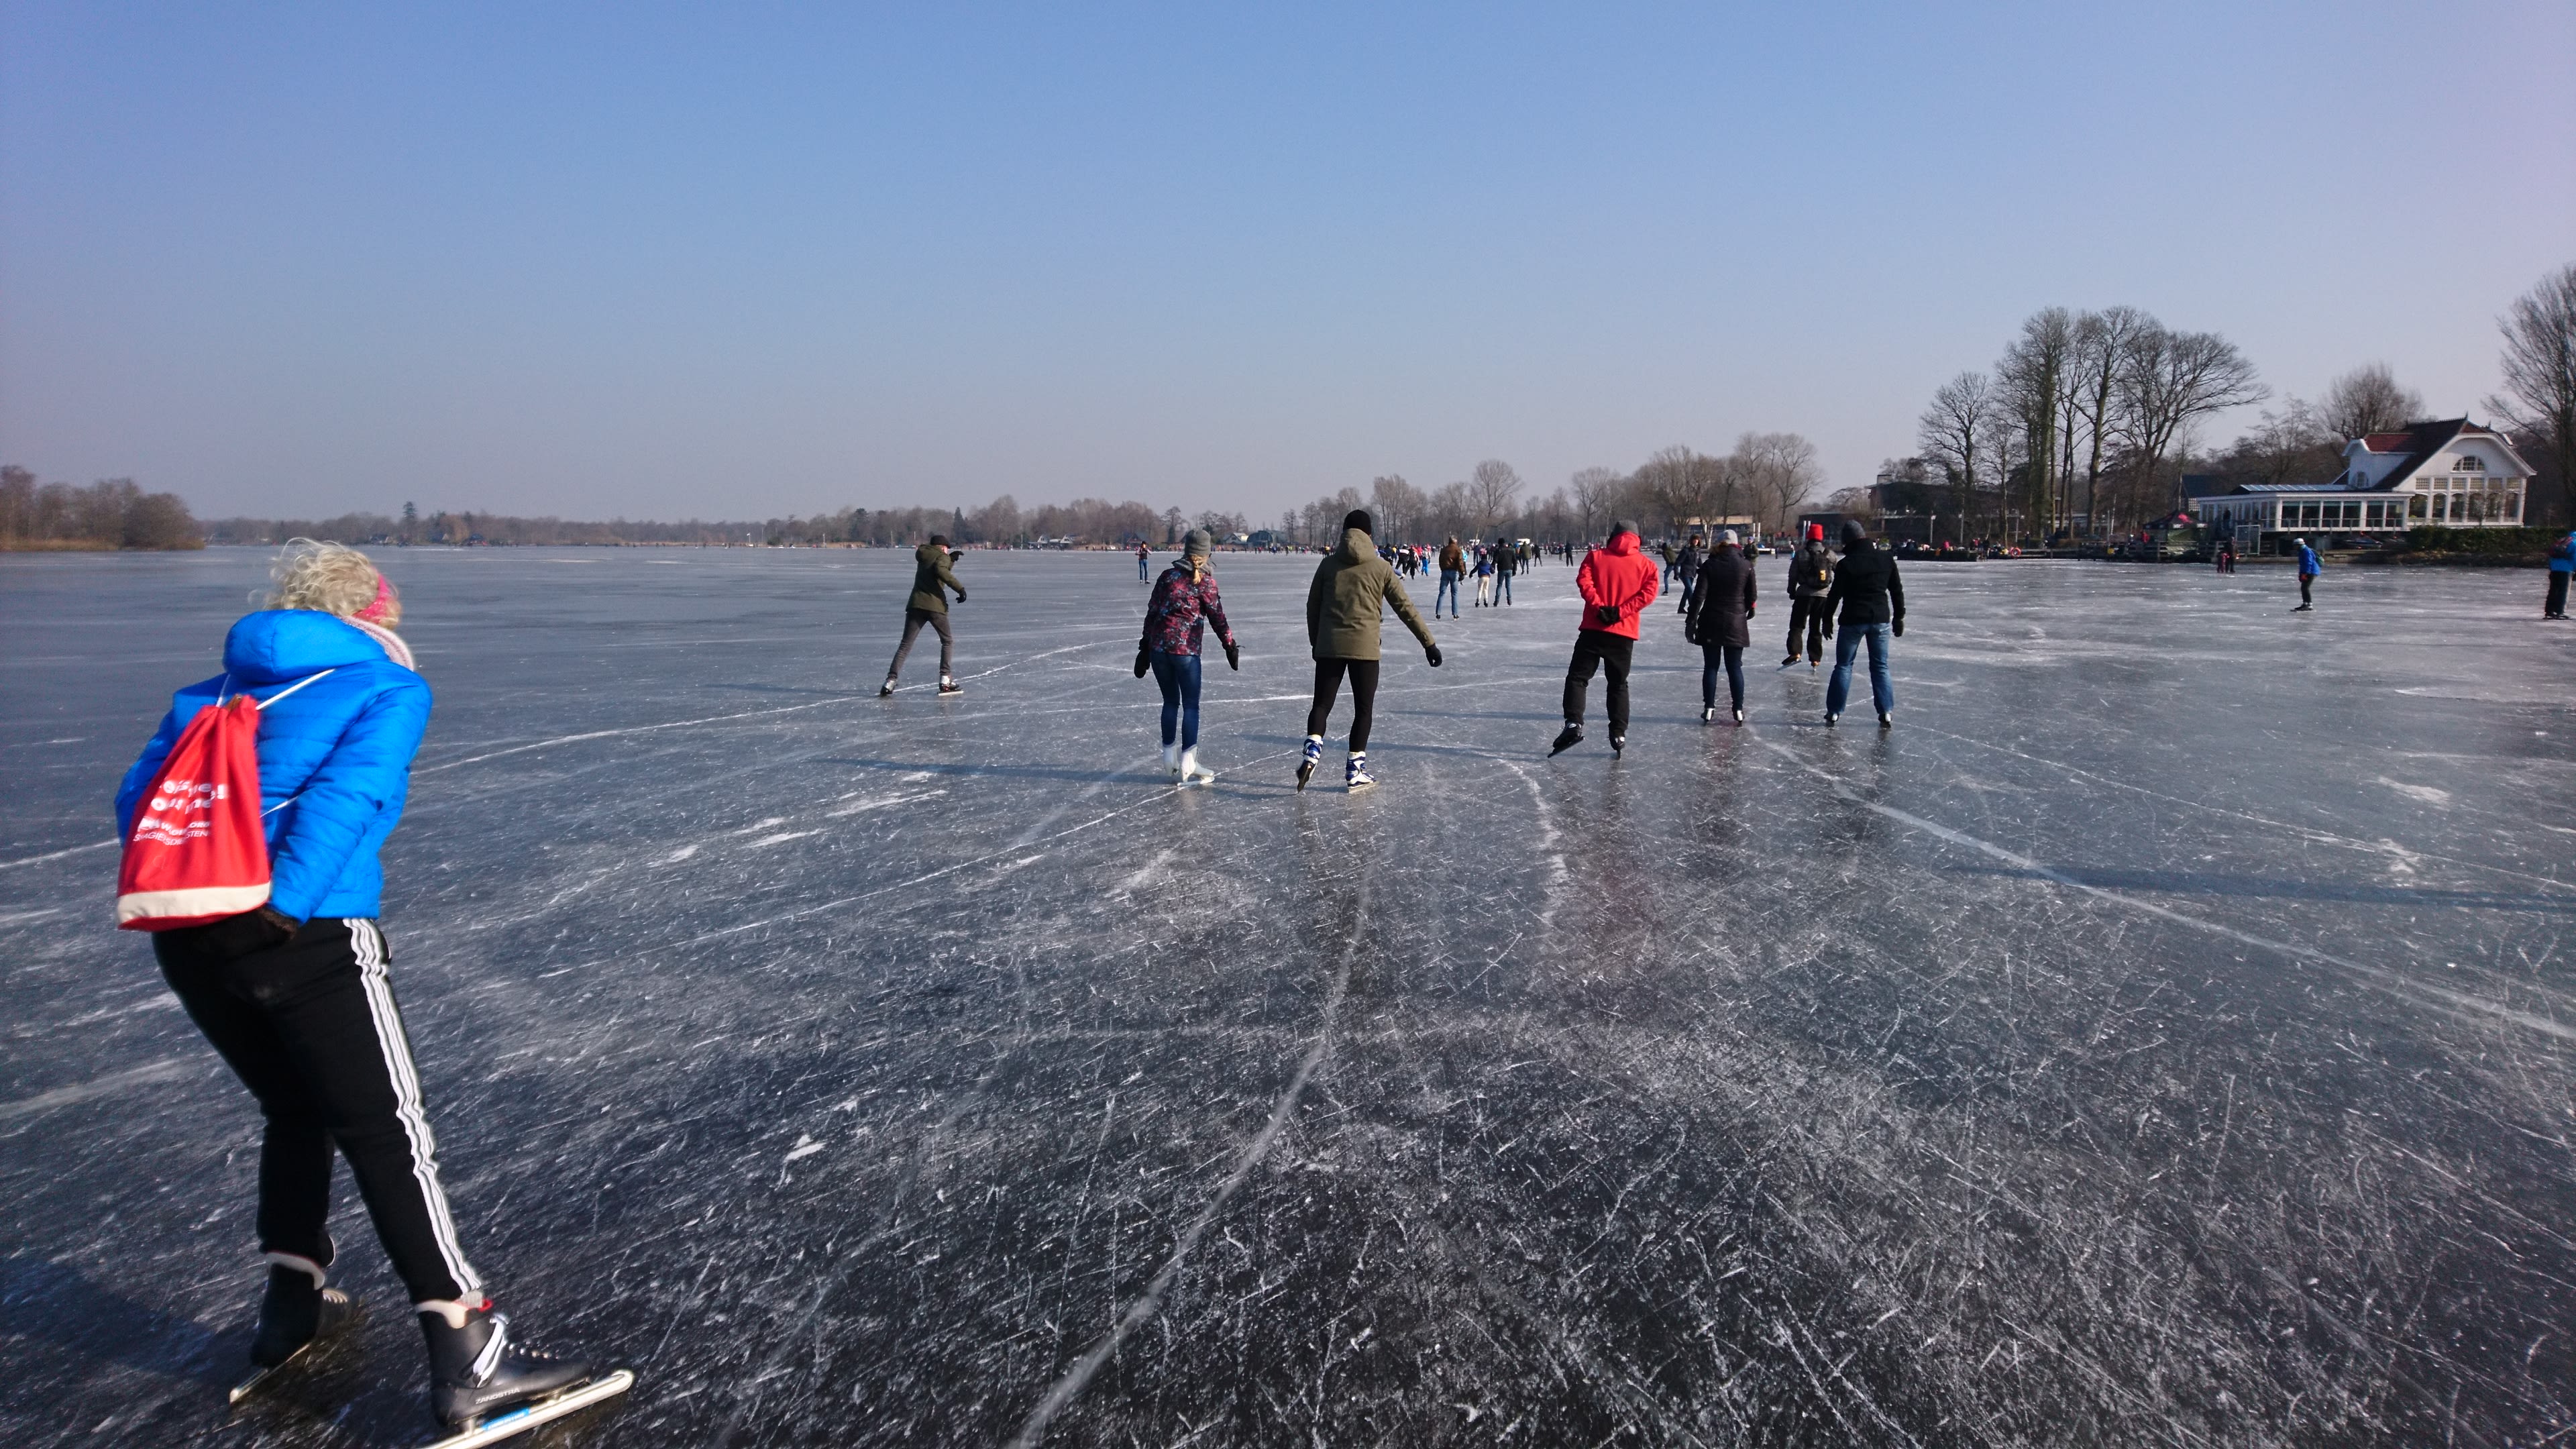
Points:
(948, 687)
(1192, 772)
(1789, 663)
(1314, 757)
(1171, 759)
(1739, 714)
(1886, 719)
(475, 1368)
(1708, 714)
(1618, 744)
(1831, 719)
(886, 688)
(296, 1310)
(1567, 738)
(1355, 775)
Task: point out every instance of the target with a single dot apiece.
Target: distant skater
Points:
(1144, 561)
(295, 992)
(1811, 579)
(1184, 603)
(1453, 567)
(2309, 567)
(1617, 582)
(1694, 553)
(2562, 565)
(932, 578)
(1873, 612)
(1506, 563)
(1344, 607)
(1720, 622)
(1484, 577)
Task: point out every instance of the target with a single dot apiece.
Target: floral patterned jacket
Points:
(1181, 608)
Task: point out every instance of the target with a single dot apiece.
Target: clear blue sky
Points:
(753, 260)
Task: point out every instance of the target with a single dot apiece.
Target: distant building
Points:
(2451, 474)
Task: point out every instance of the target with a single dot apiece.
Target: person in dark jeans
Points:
(1872, 601)
(1694, 553)
(1507, 561)
(1720, 622)
(2562, 567)
(1617, 582)
(931, 581)
(2309, 567)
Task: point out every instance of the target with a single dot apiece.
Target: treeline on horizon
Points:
(110, 513)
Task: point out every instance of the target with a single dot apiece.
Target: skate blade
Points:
(544, 1411)
(250, 1385)
(349, 1314)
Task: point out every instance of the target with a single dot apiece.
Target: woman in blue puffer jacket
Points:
(295, 995)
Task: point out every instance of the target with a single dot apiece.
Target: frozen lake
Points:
(2162, 1036)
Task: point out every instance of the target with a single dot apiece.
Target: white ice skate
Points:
(1192, 772)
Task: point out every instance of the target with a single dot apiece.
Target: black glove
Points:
(1233, 657)
(1431, 652)
(1690, 632)
(961, 596)
(1898, 628)
(1829, 628)
(1609, 613)
(258, 930)
(1144, 661)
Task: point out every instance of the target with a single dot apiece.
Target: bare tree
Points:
(1591, 491)
(1776, 472)
(1957, 432)
(2368, 400)
(2291, 446)
(2102, 343)
(2030, 383)
(1495, 491)
(2539, 398)
(2171, 380)
(1397, 507)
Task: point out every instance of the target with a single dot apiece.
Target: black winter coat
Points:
(1866, 586)
(1721, 610)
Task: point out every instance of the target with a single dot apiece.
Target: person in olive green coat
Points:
(931, 582)
(1343, 608)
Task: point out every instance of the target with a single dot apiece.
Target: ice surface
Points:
(2163, 1035)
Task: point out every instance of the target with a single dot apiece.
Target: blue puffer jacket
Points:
(334, 757)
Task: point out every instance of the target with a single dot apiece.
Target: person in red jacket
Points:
(1617, 582)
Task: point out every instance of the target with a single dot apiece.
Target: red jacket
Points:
(1617, 576)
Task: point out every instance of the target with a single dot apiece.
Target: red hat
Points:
(1815, 532)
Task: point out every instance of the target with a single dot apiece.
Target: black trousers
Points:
(913, 619)
(1807, 614)
(2557, 604)
(2306, 581)
(312, 1029)
(1328, 687)
(1728, 657)
(1611, 653)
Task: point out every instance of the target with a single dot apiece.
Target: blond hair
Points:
(330, 577)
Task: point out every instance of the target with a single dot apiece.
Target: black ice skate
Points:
(948, 687)
(1739, 714)
(1618, 745)
(1886, 720)
(1567, 738)
(1314, 756)
(296, 1313)
(1708, 714)
(886, 688)
(476, 1371)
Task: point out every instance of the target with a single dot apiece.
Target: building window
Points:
(2415, 507)
(2468, 464)
(2513, 506)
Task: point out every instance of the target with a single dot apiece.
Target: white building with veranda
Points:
(2447, 474)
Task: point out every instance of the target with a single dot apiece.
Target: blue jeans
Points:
(1141, 564)
(1846, 644)
(1714, 657)
(1502, 588)
(1178, 674)
(1448, 590)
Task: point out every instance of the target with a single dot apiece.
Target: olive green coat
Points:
(931, 579)
(1352, 585)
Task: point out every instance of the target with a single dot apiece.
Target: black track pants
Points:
(1610, 653)
(2556, 604)
(1328, 686)
(1807, 615)
(311, 1028)
(913, 619)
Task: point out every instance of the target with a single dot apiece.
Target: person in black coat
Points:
(1720, 621)
(1872, 603)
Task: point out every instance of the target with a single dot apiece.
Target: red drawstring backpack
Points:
(198, 852)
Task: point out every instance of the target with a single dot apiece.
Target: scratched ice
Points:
(2163, 1035)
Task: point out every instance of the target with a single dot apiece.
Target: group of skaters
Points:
(1491, 566)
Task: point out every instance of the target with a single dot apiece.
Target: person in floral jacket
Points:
(1183, 604)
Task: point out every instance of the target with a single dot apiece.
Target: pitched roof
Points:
(2385, 442)
(2419, 443)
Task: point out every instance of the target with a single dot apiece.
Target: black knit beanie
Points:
(1358, 518)
(1853, 532)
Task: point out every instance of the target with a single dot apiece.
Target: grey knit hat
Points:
(1198, 543)
(1626, 525)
